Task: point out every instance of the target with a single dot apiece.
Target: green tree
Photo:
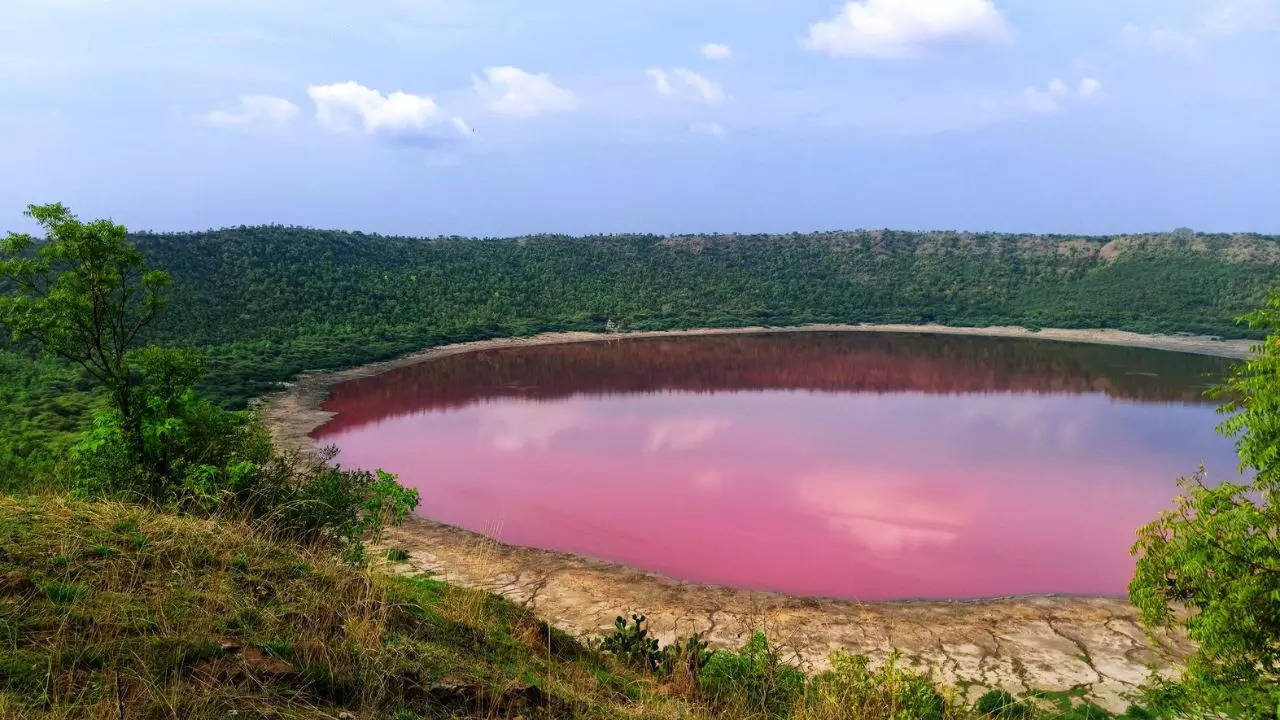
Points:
(1212, 563)
(83, 294)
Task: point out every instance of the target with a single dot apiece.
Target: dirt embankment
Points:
(1093, 644)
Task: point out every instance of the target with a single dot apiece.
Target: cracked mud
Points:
(1093, 644)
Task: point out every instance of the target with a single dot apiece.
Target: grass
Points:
(110, 610)
(106, 606)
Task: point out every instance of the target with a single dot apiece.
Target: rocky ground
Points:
(1090, 645)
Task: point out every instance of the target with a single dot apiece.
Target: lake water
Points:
(853, 465)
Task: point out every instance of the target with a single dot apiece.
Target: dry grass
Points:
(109, 610)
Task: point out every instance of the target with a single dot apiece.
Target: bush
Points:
(852, 689)
(686, 658)
(200, 459)
(1000, 705)
(1212, 564)
(752, 680)
(632, 644)
(191, 451)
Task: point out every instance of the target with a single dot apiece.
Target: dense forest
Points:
(265, 303)
(277, 300)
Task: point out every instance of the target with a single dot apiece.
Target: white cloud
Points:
(256, 111)
(1038, 101)
(882, 514)
(683, 433)
(716, 51)
(714, 129)
(350, 107)
(524, 425)
(687, 84)
(512, 91)
(709, 91)
(1162, 39)
(461, 125)
(1049, 99)
(661, 82)
(1231, 17)
(1224, 18)
(903, 28)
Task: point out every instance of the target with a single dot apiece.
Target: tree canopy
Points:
(1216, 555)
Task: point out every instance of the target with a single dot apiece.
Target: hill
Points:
(277, 300)
(268, 302)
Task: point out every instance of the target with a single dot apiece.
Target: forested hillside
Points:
(268, 302)
(277, 300)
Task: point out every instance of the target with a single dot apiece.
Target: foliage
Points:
(82, 294)
(1000, 705)
(205, 460)
(851, 688)
(752, 680)
(112, 602)
(632, 643)
(269, 302)
(191, 452)
(265, 303)
(685, 658)
(682, 660)
(1217, 554)
(43, 406)
(1253, 402)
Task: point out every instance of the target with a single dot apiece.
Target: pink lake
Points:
(851, 465)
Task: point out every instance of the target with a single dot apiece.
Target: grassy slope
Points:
(103, 605)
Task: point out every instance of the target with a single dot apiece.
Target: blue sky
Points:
(502, 117)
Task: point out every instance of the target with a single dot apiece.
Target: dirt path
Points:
(1090, 644)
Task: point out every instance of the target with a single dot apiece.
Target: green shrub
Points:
(1086, 711)
(1211, 564)
(851, 688)
(685, 657)
(1000, 705)
(200, 459)
(752, 680)
(632, 643)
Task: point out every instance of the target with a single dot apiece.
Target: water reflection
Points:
(862, 466)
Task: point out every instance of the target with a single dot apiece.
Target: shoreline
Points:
(1040, 642)
(294, 412)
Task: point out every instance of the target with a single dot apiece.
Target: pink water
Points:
(845, 465)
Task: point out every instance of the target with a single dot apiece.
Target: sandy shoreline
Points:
(1049, 643)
